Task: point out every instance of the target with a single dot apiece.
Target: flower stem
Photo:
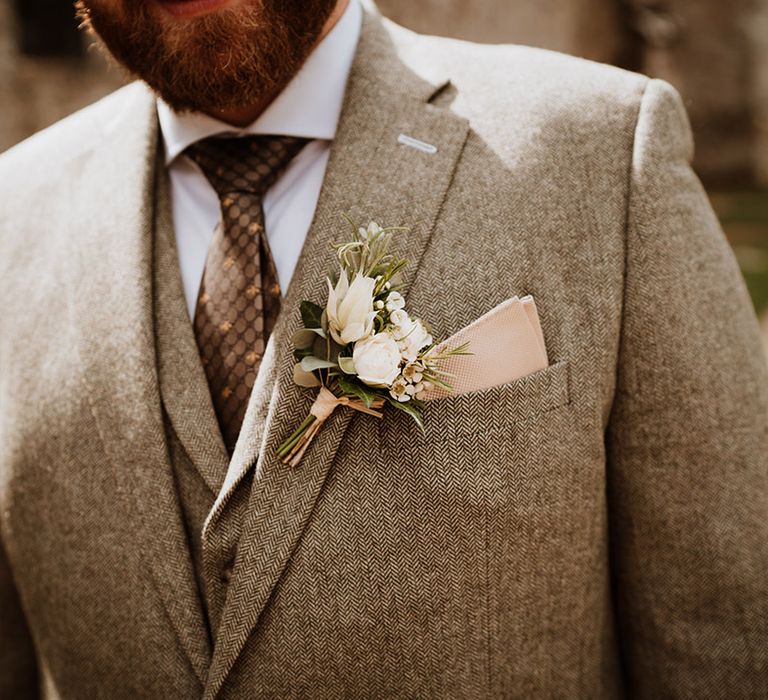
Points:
(288, 445)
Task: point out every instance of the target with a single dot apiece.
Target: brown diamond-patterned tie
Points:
(239, 298)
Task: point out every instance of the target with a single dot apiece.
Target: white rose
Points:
(350, 308)
(377, 360)
(422, 336)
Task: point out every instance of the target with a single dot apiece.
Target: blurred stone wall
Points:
(590, 28)
(715, 53)
(757, 30)
(707, 51)
(36, 91)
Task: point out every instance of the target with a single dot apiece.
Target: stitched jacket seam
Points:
(629, 188)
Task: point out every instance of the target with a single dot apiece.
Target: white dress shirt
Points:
(308, 107)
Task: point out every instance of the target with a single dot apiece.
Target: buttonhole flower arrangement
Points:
(363, 349)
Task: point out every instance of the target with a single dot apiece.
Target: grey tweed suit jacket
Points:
(596, 530)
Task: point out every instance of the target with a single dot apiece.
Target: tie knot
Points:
(244, 163)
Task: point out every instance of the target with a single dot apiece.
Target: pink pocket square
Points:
(506, 344)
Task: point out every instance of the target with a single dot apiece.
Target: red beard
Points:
(226, 59)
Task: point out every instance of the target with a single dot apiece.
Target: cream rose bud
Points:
(416, 339)
(372, 229)
(350, 308)
(395, 301)
(377, 360)
(401, 321)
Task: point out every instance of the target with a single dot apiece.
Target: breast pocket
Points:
(489, 463)
(500, 407)
(472, 436)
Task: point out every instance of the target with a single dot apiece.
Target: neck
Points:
(245, 115)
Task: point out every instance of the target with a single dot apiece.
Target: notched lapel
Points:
(371, 176)
(111, 297)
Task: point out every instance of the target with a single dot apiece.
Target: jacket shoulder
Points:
(43, 157)
(495, 81)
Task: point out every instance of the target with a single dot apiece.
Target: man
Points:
(594, 529)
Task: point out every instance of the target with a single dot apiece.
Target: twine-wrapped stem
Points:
(293, 449)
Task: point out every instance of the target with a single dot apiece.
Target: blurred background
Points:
(715, 53)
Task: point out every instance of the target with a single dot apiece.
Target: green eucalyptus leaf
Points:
(305, 379)
(409, 408)
(300, 354)
(311, 363)
(352, 388)
(303, 339)
(311, 314)
(334, 351)
(320, 348)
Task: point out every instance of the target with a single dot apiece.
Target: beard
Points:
(234, 57)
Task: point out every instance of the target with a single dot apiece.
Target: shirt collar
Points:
(308, 107)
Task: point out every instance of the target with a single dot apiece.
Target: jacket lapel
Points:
(370, 176)
(112, 307)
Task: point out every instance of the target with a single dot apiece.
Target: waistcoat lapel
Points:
(371, 177)
(111, 297)
(183, 384)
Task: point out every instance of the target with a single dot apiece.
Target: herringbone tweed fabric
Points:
(595, 530)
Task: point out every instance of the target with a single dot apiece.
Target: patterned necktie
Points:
(239, 298)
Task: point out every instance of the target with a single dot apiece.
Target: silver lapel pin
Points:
(418, 145)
